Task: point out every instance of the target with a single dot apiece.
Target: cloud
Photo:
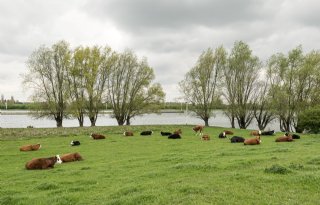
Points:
(170, 33)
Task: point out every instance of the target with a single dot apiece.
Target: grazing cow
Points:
(205, 137)
(43, 163)
(75, 143)
(294, 136)
(252, 141)
(97, 136)
(31, 147)
(284, 139)
(165, 133)
(255, 133)
(128, 133)
(71, 157)
(267, 132)
(228, 132)
(198, 128)
(174, 136)
(146, 133)
(222, 135)
(179, 132)
(236, 139)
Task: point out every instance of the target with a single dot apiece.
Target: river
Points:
(20, 119)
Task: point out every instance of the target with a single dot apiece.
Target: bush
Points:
(309, 120)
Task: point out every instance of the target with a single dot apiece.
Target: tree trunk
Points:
(80, 120)
(128, 121)
(206, 121)
(93, 121)
(232, 122)
(59, 121)
(120, 121)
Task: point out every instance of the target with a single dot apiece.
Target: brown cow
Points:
(228, 132)
(198, 128)
(284, 138)
(178, 132)
(205, 137)
(128, 133)
(255, 133)
(31, 147)
(70, 157)
(97, 136)
(43, 163)
(252, 141)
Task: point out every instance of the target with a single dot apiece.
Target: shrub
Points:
(309, 120)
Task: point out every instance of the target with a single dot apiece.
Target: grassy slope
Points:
(155, 170)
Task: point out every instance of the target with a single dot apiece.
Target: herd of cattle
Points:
(45, 163)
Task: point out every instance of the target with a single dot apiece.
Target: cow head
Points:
(59, 161)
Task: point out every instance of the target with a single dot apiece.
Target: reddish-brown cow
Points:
(198, 128)
(71, 157)
(31, 147)
(252, 141)
(128, 133)
(97, 136)
(205, 137)
(43, 163)
(284, 138)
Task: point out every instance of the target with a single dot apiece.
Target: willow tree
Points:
(201, 83)
(97, 63)
(76, 84)
(241, 78)
(130, 88)
(295, 83)
(46, 77)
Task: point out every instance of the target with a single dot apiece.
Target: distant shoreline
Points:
(25, 112)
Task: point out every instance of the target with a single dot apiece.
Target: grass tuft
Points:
(277, 169)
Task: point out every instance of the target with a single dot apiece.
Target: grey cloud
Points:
(144, 14)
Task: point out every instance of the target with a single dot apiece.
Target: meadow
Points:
(156, 170)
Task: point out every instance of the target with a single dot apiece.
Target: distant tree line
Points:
(79, 82)
(284, 87)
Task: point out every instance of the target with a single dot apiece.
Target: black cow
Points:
(165, 133)
(174, 136)
(267, 132)
(75, 143)
(146, 133)
(236, 139)
(222, 135)
(294, 136)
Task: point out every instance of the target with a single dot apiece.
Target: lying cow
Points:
(43, 163)
(75, 143)
(128, 133)
(252, 141)
(255, 133)
(284, 139)
(228, 132)
(174, 136)
(236, 139)
(71, 157)
(267, 132)
(222, 135)
(205, 137)
(146, 133)
(198, 129)
(294, 136)
(165, 133)
(31, 147)
(96, 136)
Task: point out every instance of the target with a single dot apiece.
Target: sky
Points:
(171, 34)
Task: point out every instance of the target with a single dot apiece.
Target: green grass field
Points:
(155, 170)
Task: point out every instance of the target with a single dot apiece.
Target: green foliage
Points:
(155, 170)
(309, 120)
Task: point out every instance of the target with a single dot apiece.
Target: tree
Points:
(130, 90)
(201, 83)
(76, 84)
(294, 82)
(310, 120)
(241, 78)
(46, 76)
(262, 107)
(97, 64)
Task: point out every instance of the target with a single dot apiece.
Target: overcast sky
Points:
(170, 33)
